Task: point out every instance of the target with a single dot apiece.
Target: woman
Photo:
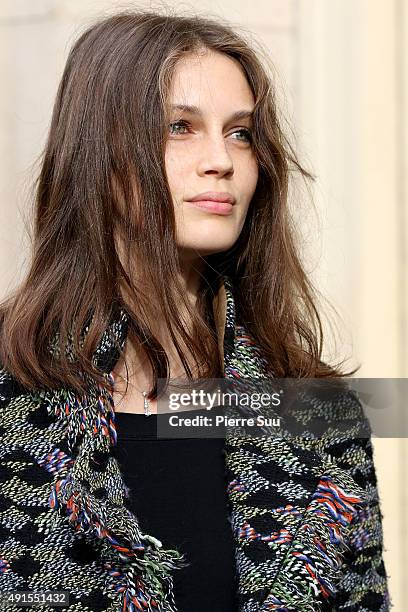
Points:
(139, 274)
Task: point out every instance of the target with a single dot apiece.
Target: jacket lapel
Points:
(291, 506)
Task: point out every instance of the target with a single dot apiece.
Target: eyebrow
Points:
(194, 110)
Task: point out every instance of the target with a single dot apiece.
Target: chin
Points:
(209, 239)
(207, 247)
(204, 249)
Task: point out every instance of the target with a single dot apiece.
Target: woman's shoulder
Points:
(11, 389)
(24, 419)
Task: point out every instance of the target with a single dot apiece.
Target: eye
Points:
(176, 125)
(247, 133)
(183, 124)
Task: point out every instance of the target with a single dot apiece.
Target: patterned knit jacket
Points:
(304, 512)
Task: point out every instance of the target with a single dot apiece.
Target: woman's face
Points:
(208, 150)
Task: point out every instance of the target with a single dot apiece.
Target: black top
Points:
(178, 493)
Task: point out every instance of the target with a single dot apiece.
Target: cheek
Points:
(177, 170)
(249, 173)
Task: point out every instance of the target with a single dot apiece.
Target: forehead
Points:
(211, 81)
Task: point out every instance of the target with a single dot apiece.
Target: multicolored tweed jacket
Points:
(304, 512)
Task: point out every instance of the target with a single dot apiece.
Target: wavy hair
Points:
(104, 154)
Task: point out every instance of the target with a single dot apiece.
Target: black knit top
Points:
(178, 493)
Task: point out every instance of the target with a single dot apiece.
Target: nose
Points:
(214, 157)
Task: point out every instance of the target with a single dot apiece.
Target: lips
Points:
(213, 196)
(211, 206)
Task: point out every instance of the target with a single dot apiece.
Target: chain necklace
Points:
(146, 404)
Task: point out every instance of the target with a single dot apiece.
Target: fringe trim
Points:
(313, 565)
(142, 568)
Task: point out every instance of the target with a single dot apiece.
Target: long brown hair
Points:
(104, 155)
